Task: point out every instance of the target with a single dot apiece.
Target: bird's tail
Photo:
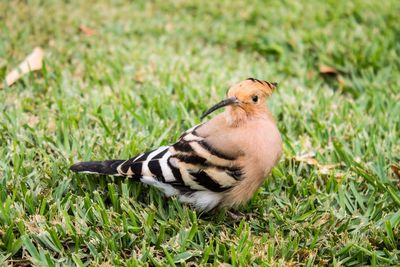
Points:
(107, 167)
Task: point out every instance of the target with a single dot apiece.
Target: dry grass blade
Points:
(31, 63)
(310, 160)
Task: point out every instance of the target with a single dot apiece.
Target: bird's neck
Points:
(236, 116)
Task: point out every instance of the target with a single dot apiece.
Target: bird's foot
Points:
(237, 215)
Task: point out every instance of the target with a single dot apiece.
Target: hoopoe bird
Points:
(217, 164)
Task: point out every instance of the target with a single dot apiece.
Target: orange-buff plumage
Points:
(219, 163)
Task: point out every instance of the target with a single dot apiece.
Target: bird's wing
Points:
(202, 166)
(189, 165)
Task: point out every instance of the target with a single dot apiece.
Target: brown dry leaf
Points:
(395, 169)
(323, 69)
(311, 161)
(139, 76)
(31, 63)
(86, 30)
(33, 120)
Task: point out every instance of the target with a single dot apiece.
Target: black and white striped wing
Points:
(202, 167)
(190, 164)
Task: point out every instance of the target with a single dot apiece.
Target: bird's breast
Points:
(262, 146)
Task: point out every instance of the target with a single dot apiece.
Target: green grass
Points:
(149, 72)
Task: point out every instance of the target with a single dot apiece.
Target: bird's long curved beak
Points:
(223, 103)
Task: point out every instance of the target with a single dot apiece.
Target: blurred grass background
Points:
(146, 74)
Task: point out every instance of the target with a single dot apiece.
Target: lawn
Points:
(145, 74)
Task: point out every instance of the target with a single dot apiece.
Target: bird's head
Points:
(247, 97)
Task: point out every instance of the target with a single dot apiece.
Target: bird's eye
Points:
(254, 98)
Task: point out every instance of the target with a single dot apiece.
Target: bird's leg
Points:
(235, 215)
(238, 215)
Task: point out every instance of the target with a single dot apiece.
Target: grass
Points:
(146, 75)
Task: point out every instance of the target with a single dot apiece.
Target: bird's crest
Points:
(252, 86)
(271, 85)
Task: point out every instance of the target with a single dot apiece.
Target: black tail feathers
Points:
(108, 167)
